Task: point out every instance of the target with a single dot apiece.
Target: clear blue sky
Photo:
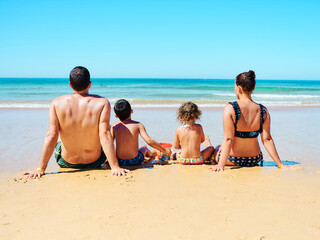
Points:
(168, 38)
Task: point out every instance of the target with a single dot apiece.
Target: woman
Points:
(242, 123)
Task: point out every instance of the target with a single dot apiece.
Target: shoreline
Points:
(210, 108)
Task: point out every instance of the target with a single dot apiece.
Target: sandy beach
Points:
(170, 201)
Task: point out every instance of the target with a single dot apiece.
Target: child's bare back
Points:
(126, 133)
(189, 137)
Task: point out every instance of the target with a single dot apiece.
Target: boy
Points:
(126, 133)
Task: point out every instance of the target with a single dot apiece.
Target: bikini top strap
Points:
(237, 112)
(262, 115)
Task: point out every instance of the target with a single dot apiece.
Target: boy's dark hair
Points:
(79, 78)
(188, 111)
(123, 109)
(247, 80)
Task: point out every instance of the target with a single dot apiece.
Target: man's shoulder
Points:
(100, 101)
(61, 98)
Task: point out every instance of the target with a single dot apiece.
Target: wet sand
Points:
(170, 201)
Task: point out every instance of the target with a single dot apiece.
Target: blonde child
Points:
(189, 137)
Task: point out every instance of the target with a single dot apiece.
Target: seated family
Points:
(82, 121)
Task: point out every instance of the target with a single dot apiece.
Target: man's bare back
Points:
(79, 118)
(83, 123)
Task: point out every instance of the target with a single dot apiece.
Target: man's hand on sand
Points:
(119, 171)
(216, 168)
(34, 174)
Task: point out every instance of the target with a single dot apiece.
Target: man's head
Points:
(122, 109)
(79, 78)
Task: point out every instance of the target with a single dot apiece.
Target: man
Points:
(83, 123)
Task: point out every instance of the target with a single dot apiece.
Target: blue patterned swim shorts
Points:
(132, 162)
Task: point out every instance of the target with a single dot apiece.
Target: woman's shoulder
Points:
(228, 108)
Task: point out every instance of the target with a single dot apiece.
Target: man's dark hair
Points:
(123, 109)
(79, 78)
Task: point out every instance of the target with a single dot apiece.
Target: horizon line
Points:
(156, 78)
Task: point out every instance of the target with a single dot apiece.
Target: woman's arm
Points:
(228, 131)
(268, 142)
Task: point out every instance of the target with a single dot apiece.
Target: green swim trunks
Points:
(64, 164)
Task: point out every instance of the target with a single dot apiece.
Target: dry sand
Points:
(163, 202)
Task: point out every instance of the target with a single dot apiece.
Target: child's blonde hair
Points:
(188, 111)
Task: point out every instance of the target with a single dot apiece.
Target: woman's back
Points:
(247, 120)
(243, 121)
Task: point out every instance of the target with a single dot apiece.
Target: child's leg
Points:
(207, 152)
(146, 152)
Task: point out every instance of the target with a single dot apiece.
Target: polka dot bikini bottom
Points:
(245, 161)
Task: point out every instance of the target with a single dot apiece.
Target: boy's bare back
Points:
(126, 134)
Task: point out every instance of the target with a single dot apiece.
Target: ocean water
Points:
(38, 92)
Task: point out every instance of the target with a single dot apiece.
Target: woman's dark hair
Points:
(79, 78)
(122, 109)
(188, 111)
(247, 80)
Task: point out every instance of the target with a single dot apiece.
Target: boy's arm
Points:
(106, 140)
(152, 142)
(176, 143)
(49, 144)
(268, 142)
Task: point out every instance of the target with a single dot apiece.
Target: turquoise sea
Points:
(38, 92)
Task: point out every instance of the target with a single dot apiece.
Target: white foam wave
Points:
(272, 96)
(161, 105)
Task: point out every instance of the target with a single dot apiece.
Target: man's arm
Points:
(49, 144)
(152, 142)
(106, 140)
